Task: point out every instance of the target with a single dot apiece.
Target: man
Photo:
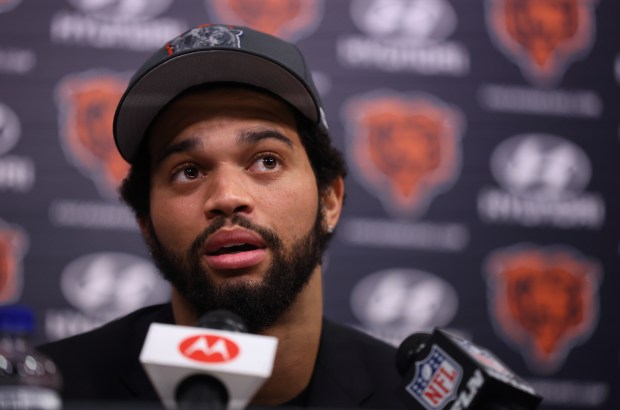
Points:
(237, 189)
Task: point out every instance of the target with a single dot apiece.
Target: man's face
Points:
(234, 208)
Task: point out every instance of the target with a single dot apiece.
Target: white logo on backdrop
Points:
(122, 10)
(405, 21)
(116, 24)
(404, 36)
(391, 304)
(17, 173)
(544, 178)
(10, 129)
(541, 166)
(108, 285)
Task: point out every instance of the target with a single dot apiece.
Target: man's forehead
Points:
(230, 101)
(222, 105)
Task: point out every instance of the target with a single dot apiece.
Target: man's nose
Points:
(227, 194)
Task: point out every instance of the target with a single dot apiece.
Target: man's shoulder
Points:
(115, 333)
(102, 364)
(357, 366)
(343, 336)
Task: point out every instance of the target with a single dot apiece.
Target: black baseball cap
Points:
(213, 53)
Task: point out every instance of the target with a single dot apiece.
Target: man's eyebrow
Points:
(254, 136)
(181, 146)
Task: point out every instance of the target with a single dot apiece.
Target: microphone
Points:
(443, 371)
(204, 391)
(214, 366)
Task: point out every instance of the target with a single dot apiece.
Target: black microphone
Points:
(203, 391)
(443, 371)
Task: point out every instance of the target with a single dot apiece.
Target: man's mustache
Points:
(269, 236)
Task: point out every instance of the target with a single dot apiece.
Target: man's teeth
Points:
(235, 248)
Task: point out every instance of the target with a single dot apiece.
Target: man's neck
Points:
(298, 332)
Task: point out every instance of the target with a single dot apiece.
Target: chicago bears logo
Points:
(13, 243)
(290, 19)
(406, 149)
(6, 5)
(87, 103)
(543, 300)
(542, 36)
(205, 36)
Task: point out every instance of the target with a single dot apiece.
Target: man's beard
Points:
(261, 304)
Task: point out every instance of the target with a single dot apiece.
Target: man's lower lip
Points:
(237, 260)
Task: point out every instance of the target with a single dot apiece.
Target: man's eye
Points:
(190, 172)
(266, 162)
(186, 172)
(270, 162)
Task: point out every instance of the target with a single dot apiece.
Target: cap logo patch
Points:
(205, 36)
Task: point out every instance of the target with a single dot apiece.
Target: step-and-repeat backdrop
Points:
(482, 138)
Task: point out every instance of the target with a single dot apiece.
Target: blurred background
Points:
(483, 146)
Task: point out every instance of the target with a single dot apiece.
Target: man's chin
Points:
(237, 281)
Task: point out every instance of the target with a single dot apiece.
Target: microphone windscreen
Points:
(409, 349)
(201, 391)
(222, 320)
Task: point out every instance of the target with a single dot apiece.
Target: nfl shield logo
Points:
(436, 379)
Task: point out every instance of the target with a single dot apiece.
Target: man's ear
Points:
(331, 201)
(146, 229)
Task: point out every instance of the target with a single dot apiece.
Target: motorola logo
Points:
(209, 348)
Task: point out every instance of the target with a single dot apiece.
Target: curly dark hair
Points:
(326, 161)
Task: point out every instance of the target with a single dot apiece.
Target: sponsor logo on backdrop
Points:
(16, 173)
(117, 24)
(290, 19)
(543, 301)
(101, 287)
(13, 247)
(571, 393)
(393, 303)
(404, 36)
(543, 37)
(10, 129)
(6, 5)
(406, 149)
(86, 104)
(543, 180)
(17, 60)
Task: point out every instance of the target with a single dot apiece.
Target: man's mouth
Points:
(234, 248)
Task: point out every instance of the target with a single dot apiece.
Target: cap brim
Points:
(157, 87)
